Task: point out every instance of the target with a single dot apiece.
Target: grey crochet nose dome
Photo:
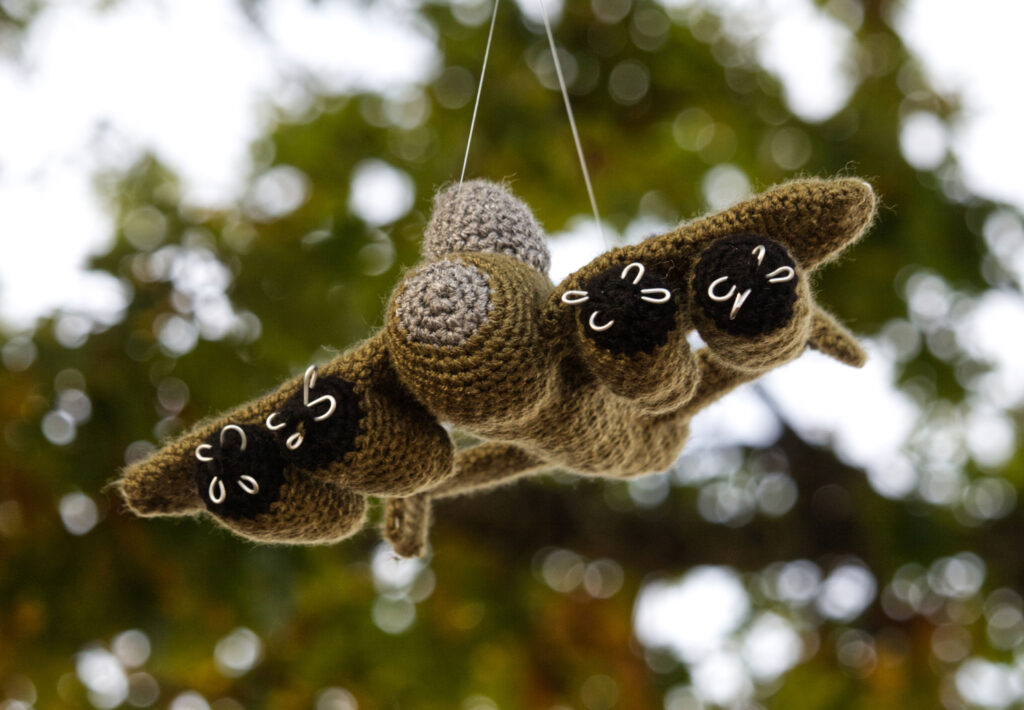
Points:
(484, 216)
(444, 303)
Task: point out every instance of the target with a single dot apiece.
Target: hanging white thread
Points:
(565, 98)
(572, 122)
(479, 90)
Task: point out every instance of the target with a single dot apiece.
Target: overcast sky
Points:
(200, 76)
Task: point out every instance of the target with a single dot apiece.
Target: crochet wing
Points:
(740, 275)
(296, 465)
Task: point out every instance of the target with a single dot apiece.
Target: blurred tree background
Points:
(778, 575)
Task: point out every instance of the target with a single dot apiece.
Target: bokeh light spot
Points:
(101, 673)
(78, 512)
(797, 582)
(543, 66)
(59, 428)
(21, 689)
(177, 335)
(957, 577)
(238, 652)
(603, 578)
(189, 700)
(18, 353)
(145, 227)
(771, 646)
(76, 404)
(649, 30)
(951, 643)
(776, 494)
(722, 678)
(380, 193)
(131, 648)
(649, 491)
(72, 330)
(563, 570)
(143, 690)
(393, 615)
(610, 11)
(376, 258)
(790, 148)
(277, 192)
(988, 684)
(628, 82)
(138, 450)
(846, 592)
(454, 88)
(172, 394)
(393, 574)
(855, 650)
(923, 140)
(336, 699)
(693, 616)
(682, 697)
(724, 185)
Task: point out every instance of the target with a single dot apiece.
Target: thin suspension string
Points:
(572, 123)
(479, 90)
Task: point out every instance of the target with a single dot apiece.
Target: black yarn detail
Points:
(639, 326)
(260, 460)
(769, 305)
(326, 441)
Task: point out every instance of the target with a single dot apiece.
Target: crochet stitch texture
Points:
(593, 376)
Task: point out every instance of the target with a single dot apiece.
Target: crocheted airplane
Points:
(593, 376)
